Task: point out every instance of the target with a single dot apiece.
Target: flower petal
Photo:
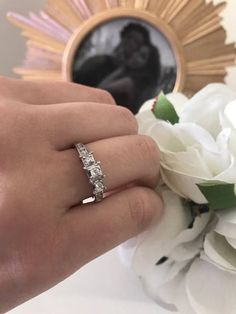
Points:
(178, 100)
(169, 294)
(219, 251)
(165, 136)
(227, 124)
(147, 106)
(213, 99)
(217, 162)
(232, 242)
(156, 242)
(210, 289)
(189, 163)
(189, 242)
(145, 121)
(226, 224)
(126, 251)
(177, 137)
(183, 185)
(229, 175)
(187, 251)
(230, 113)
(191, 134)
(153, 282)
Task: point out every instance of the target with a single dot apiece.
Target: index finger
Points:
(51, 92)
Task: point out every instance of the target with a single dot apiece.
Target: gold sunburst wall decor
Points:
(184, 48)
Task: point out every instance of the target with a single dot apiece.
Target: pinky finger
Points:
(93, 229)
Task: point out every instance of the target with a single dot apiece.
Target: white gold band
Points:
(93, 171)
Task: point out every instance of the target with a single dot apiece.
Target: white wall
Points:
(12, 46)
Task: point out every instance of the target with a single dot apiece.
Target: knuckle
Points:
(4, 86)
(3, 80)
(31, 114)
(149, 153)
(149, 147)
(106, 97)
(3, 109)
(140, 207)
(129, 119)
(6, 114)
(24, 118)
(16, 123)
(7, 86)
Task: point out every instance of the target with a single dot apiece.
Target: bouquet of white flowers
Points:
(187, 263)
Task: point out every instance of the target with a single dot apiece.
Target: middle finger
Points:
(66, 124)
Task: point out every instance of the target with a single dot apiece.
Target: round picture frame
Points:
(140, 81)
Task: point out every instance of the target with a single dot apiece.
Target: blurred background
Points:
(12, 45)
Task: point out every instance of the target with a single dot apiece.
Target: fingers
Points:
(123, 159)
(93, 229)
(67, 124)
(50, 92)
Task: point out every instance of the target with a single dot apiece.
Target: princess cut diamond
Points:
(95, 173)
(88, 160)
(99, 187)
(93, 170)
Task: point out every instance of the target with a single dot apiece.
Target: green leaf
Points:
(164, 110)
(220, 195)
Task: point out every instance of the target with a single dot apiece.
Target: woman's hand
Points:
(45, 232)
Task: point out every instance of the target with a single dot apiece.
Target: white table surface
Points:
(104, 286)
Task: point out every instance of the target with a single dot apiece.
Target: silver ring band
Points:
(93, 171)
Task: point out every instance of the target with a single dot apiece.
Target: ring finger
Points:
(124, 160)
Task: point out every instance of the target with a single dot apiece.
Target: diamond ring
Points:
(93, 171)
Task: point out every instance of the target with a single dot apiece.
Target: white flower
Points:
(187, 263)
(189, 270)
(201, 147)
